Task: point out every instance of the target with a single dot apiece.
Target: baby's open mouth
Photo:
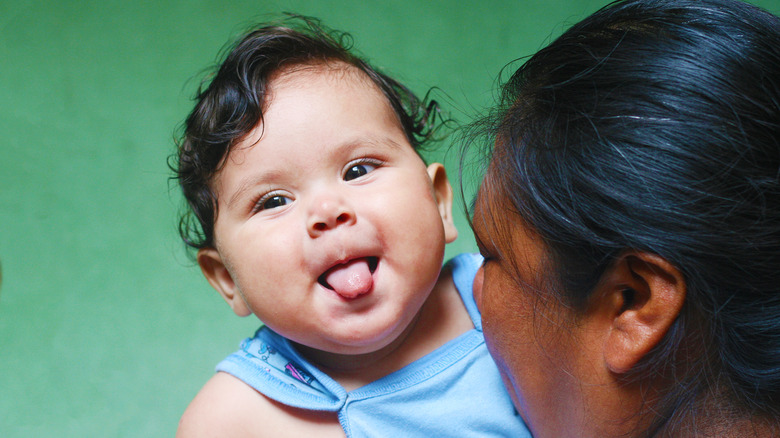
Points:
(352, 278)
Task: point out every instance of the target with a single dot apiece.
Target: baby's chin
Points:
(350, 348)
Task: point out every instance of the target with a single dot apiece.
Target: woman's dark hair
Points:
(233, 101)
(654, 125)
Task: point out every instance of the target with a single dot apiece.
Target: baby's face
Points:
(328, 223)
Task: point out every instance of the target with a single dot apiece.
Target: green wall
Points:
(106, 327)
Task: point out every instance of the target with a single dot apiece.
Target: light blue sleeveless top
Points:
(455, 391)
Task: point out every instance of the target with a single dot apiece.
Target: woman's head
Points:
(639, 155)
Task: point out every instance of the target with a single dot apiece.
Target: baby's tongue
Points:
(351, 279)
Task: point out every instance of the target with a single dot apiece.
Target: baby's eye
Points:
(357, 170)
(272, 201)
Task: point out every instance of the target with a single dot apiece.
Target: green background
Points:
(106, 326)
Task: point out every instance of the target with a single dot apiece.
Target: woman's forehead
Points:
(493, 220)
(498, 223)
(484, 205)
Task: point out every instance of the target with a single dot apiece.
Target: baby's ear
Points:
(443, 191)
(219, 277)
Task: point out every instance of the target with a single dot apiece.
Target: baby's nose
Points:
(329, 211)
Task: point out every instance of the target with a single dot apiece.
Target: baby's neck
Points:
(442, 318)
(355, 370)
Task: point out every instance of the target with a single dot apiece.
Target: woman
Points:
(630, 220)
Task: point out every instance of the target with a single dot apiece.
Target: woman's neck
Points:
(718, 416)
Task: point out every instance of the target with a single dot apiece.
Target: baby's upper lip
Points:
(343, 255)
(372, 262)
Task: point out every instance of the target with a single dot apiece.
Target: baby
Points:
(311, 209)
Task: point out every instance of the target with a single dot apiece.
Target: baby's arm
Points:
(228, 407)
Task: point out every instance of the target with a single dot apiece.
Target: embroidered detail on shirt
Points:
(275, 361)
(296, 372)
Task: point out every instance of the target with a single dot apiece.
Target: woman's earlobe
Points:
(648, 294)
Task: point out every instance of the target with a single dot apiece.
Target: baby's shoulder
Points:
(226, 406)
(459, 272)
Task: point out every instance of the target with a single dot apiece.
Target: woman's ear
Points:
(643, 295)
(443, 191)
(219, 278)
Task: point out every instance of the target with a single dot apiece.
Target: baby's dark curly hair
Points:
(231, 104)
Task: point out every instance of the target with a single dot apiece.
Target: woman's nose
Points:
(476, 289)
(329, 211)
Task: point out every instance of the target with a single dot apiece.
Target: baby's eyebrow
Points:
(370, 141)
(346, 146)
(253, 181)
